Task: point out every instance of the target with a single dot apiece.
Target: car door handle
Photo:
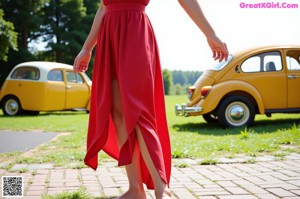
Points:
(293, 76)
(69, 87)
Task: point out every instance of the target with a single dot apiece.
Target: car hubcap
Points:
(11, 107)
(237, 113)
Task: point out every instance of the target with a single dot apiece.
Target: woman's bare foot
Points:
(166, 194)
(131, 194)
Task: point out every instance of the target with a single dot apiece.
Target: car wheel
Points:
(11, 106)
(236, 111)
(210, 118)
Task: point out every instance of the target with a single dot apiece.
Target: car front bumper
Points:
(183, 110)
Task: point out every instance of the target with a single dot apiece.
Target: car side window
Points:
(251, 65)
(292, 63)
(272, 62)
(55, 75)
(264, 62)
(74, 78)
(293, 60)
(29, 73)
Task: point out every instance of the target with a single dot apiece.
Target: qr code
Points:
(12, 186)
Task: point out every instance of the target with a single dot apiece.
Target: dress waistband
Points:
(125, 6)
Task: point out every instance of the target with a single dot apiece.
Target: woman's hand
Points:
(82, 60)
(219, 49)
(194, 10)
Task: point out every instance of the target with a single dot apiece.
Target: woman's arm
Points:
(193, 9)
(83, 58)
(91, 39)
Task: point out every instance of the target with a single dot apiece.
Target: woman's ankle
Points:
(164, 193)
(136, 189)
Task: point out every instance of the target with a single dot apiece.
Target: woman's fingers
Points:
(82, 61)
(220, 53)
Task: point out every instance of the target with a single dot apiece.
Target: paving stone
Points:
(236, 190)
(111, 192)
(238, 197)
(19, 166)
(255, 189)
(2, 171)
(265, 179)
(40, 166)
(34, 193)
(184, 193)
(281, 192)
(267, 196)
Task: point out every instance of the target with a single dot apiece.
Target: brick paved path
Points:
(266, 180)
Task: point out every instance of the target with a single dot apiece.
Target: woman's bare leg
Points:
(161, 189)
(136, 189)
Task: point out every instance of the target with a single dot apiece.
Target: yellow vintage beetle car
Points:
(263, 80)
(32, 87)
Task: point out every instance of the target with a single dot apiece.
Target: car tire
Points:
(210, 118)
(11, 106)
(235, 111)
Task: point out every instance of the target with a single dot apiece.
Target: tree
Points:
(179, 89)
(8, 37)
(26, 17)
(62, 28)
(168, 81)
(8, 40)
(185, 77)
(179, 77)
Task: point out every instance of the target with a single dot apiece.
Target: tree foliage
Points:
(176, 82)
(185, 77)
(168, 81)
(60, 24)
(61, 28)
(26, 15)
(8, 37)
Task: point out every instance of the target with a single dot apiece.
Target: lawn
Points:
(190, 137)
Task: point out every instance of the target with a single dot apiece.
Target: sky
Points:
(182, 45)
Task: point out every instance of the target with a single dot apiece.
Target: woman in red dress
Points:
(127, 116)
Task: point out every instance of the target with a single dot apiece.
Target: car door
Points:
(77, 91)
(25, 84)
(293, 77)
(55, 91)
(265, 72)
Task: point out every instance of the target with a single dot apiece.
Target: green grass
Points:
(81, 194)
(190, 137)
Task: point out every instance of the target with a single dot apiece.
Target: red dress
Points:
(127, 51)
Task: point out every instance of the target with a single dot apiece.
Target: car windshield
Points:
(221, 65)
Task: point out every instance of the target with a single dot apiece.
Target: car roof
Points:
(264, 48)
(45, 65)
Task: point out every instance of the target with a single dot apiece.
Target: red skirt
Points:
(127, 51)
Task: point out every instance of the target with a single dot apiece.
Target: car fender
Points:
(4, 92)
(219, 91)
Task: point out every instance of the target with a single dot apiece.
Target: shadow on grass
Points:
(259, 126)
